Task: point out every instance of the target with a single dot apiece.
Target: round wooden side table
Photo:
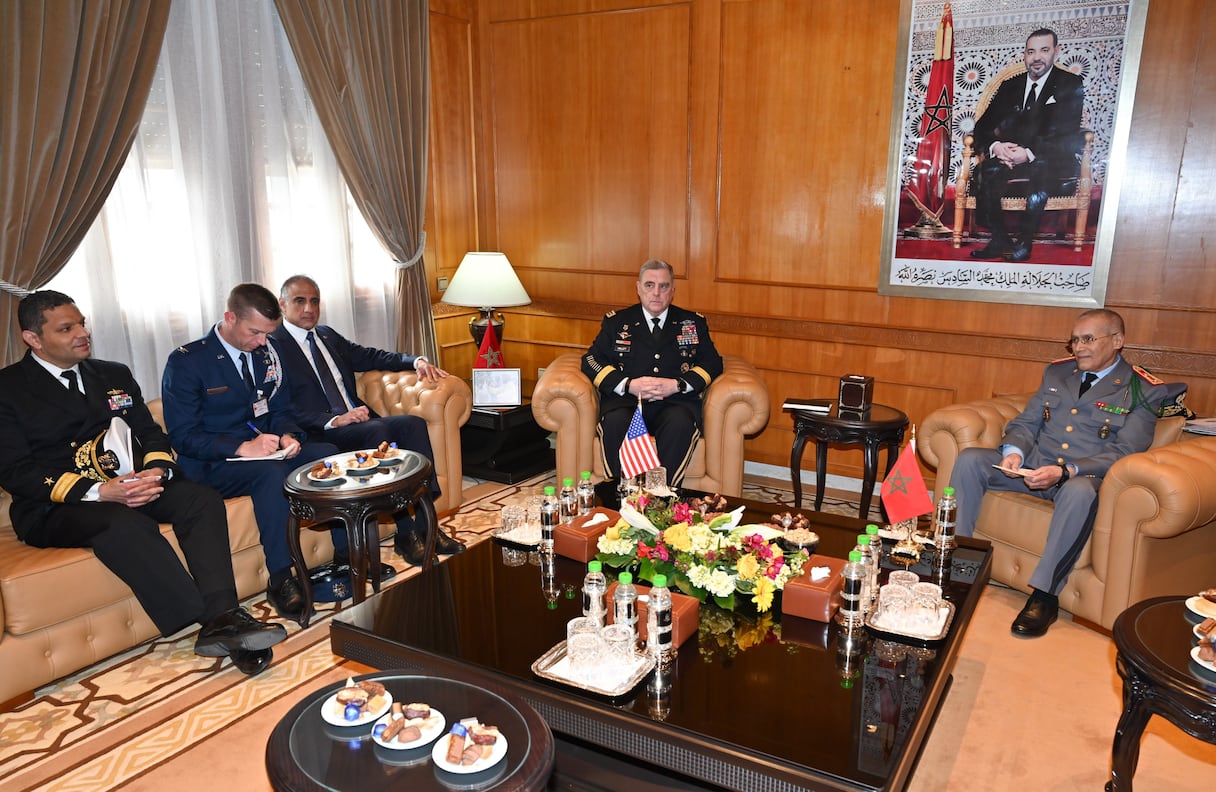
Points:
(876, 428)
(1154, 640)
(357, 502)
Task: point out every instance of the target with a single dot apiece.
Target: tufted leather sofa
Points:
(61, 610)
(735, 405)
(1155, 527)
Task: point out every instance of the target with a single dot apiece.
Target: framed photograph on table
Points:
(497, 387)
(1008, 145)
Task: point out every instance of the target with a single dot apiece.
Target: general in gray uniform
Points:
(1090, 410)
(661, 355)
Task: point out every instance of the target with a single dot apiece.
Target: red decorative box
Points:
(816, 600)
(575, 540)
(685, 613)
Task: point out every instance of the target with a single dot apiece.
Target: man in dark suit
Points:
(320, 367)
(1030, 130)
(1090, 410)
(224, 397)
(661, 355)
(74, 485)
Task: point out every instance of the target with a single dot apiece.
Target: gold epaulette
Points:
(610, 314)
(1147, 376)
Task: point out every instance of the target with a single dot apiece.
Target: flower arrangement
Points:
(703, 554)
(722, 635)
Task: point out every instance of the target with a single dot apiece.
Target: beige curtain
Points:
(365, 63)
(74, 77)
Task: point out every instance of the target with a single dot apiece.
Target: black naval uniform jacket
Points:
(625, 349)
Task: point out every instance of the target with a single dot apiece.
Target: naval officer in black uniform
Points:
(662, 355)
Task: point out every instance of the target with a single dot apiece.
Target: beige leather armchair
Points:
(1155, 527)
(735, 406)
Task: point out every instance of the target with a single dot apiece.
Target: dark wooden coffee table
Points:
(772, 704)
(1154, 639)
(357, 502)
(307, 753)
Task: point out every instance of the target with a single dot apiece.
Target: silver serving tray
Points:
(919, 639)
(543, 668)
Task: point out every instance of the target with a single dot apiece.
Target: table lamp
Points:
(485, 281)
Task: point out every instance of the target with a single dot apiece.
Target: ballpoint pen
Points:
(254, 428)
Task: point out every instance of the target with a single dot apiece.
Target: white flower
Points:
(620, 546)
(715, 581)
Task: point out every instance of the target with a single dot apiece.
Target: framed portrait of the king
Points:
(1008, 148)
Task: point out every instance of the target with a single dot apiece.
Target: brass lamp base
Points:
(478, 324)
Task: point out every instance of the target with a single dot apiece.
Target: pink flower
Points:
(661, 551)
(681, 512)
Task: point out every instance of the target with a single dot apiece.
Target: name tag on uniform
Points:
(260, 408)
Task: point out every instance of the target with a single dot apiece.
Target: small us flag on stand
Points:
(637, 452)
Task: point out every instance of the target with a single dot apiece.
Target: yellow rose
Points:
(614, 533)
(747, 567)
(677, 536)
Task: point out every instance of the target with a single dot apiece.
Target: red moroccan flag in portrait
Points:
(490, 354)
(903, 490)
(931, 167)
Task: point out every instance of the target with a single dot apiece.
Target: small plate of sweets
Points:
(326, 474)
(387, 454)
(469, 747)
(408, 726)
(362, 464)
(356, 704)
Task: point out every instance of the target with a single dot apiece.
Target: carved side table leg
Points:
(796, 467)
(821, 471)
(296, 511)
(1125, 754)
(424, 510)
(371, 542)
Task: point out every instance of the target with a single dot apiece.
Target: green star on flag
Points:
(903, 493)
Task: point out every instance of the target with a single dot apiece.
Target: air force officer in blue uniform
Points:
(1090, 410)
(224, 397)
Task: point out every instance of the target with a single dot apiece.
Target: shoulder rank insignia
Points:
(610, 314)
(1147, 377)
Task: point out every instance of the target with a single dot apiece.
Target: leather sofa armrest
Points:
(735, 406)
(948, 430)
(564, 401)
(445, 405)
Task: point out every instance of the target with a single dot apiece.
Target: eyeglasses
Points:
(1085, 340)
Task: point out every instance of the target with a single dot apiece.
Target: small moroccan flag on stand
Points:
(490, 354)
(903, 490)
(638, 454)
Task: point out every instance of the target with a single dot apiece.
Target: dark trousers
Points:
(994, 179)
(407, 431)
(262, 480)
(674, 425)
(129, 542)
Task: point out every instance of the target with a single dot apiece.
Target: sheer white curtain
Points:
(230, 180)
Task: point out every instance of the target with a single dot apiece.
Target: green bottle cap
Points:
(948, 491)
(595, 566)
(567, 482)
(872, 530)
(863, 539)
(659, 581)
(854, 556)
(586, 474)
(625, 578)
(550, 490)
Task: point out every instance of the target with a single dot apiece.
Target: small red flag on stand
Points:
(903, 490)
(490, 354)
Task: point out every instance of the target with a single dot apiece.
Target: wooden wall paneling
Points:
(804, 119)
(590, 140)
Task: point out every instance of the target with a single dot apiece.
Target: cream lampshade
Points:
(485, 281)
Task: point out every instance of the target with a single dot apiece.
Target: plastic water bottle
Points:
(850, 613)
(594, 588)
(658, 621)
(876, 551)
(585, 493)
(568, 501)
(625, 604)
(550, 513)
(548, 578)
(868, 562)
(944, 520)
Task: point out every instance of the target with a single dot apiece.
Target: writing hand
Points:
(260, 446)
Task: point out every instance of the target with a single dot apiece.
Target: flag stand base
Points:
(928, 227)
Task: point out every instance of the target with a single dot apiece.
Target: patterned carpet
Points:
(111, 723)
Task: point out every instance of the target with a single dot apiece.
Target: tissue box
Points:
(575, 540)
(814, 600)
(685, 611)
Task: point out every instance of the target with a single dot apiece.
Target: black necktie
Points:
(70, 376)
(1088, 379)
(654, 331)
(326, 375)
(1031, 97)
(247, 370)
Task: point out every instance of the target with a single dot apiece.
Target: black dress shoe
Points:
(236, 630)
(410, 547)
(252, 662)
(287, 599)
(1020, 253)
(1038, 614)
(993, 250)
(446, 545)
